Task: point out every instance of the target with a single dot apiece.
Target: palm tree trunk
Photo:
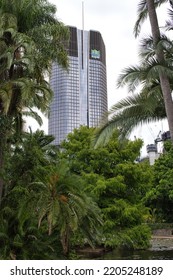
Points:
(164, 80)
(1, 168)
(65, 241)
(2, 145)
(4, 132)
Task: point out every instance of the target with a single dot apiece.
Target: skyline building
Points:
(80, 93)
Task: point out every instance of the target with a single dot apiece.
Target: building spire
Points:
(83, 15)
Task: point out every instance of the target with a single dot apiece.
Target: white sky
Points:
(115, 20)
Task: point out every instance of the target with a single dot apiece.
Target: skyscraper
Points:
(80, 94)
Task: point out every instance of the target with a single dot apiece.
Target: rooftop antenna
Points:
(82, 39)
(83, 15)
(83, 18)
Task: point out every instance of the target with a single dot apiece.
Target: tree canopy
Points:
(31, 38)
(114, 180)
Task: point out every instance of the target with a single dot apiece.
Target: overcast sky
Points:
(115, 20)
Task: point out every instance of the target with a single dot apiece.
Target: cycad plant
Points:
(65, 206)
(45, 204)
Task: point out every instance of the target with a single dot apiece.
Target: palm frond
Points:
(56, 34)
(132, 111)
(147, 72)
(168, 24)
(142, 13)
(34, 115)
(132, 76)
(147, 49)
(8, 24)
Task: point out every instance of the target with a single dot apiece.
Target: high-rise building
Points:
(80, 93)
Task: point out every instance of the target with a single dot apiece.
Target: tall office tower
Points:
(80, 94)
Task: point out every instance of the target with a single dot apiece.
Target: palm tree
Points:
(19, 90)
(148, 104)
(64, 204)
(32, 38)
(42, 190)
(20, 237)
(37, 19)
(149, 5)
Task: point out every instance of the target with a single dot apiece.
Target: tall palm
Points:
(20, 92)
(23, 76)
(37, 19)
(19, 88)
(148, 104)
(149, 5)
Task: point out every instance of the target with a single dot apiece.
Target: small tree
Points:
(160, 197)
(115, 181)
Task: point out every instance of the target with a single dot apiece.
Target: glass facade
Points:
(80, 94)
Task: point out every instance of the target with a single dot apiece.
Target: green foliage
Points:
(38, 20)
(139, 236)
(29, 159)
(160, 197)
(65, 205)
(45, 203)
(57, 199)
(31, 38)
(26, 162)
(20, 238)
(112, 178)
(102, 160)
(136, 237)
